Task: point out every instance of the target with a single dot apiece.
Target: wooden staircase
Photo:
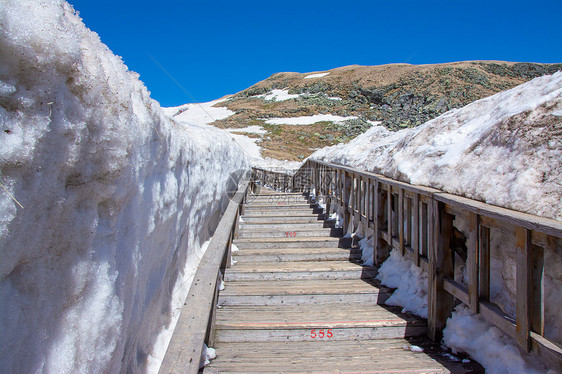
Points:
(297, 300)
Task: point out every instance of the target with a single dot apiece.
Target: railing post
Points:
(401, 221)
(346, 201)
(416, 229)
(440, 302)
(484, 263)
(473, 262)
(523, 277)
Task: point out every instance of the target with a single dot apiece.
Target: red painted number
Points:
(321, 334)
(290, 234)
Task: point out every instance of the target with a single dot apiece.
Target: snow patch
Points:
(255, 129)
(466, 332)
(308, 120)
(317, 75)
(279, 95)
(410, 283)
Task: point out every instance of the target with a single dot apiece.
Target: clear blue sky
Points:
(214, 48)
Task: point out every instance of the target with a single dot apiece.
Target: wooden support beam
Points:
(484, 263)
(537, 316)
(473, 263)
(415, 229)
(425, 229)
(389, 214)
(523, 294)
(401, 220)
(440, 302)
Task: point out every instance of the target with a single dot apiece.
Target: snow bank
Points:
(504, 150)
(117, 200)
(308, 120)
(466, 332)
(410, 282)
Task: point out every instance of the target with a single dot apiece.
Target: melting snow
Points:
(279, 95)
(317, 75)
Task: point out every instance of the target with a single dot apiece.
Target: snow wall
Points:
(105, 202)
(505, 150)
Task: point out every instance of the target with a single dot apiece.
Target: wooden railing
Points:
(418, 222)
(195, 325)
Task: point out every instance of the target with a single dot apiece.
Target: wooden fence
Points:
(418, 222)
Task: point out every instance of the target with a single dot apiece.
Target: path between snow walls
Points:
(105, 203)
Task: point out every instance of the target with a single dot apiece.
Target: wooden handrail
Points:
(417, 221)
(195, 325)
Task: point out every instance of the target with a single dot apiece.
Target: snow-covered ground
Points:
(504, 150)
(308, 120)
(105, 204)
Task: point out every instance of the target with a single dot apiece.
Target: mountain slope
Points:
(397, 95)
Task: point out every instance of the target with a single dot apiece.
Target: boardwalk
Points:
(297, 301)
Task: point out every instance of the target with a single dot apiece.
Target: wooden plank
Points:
(401, 221)
(484, 264)
(415, 229)
(537, 285)
(456, 289)
(528, 221)
(389, 215)
(378, 219)
(422, 190)
(472, 263)
(493, 314)
(440, 302)
(549, 351)
(523, 325)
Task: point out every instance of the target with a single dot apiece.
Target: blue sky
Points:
(214, 48)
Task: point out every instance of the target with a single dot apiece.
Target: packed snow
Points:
(496, 351)
(504, 150)
(317, 75)
(114, 201)
(200, 113)
(410, 282)
(308, 120)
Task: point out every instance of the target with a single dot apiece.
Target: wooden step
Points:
(326, 356)
(299, 292)
(279, 205)
(279, 212)
(299, 270)
(295, 255)
(348, 321)
(281, 232)
(309, 242)
(301, 218)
